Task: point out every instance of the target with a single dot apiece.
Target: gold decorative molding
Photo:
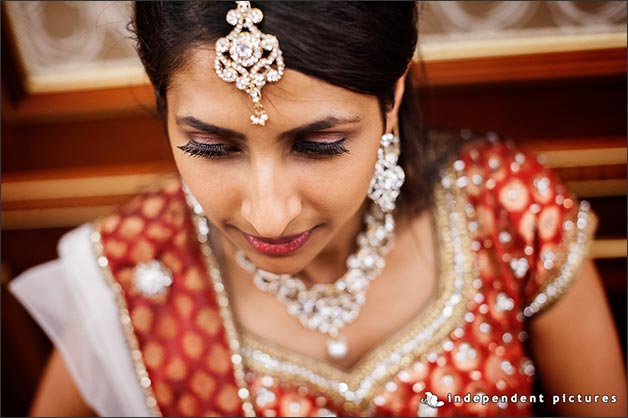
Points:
(88, 79)
(111, 76)
(598, 188)
(502, 47)
(86, 45)
(584, 157)
(76, 187)
(52, 217)
(609, 248)
(6, 275)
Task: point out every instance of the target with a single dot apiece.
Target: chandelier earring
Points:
(389, 176)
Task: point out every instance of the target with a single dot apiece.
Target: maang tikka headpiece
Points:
(249, 57)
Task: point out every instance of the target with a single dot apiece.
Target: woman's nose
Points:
(271, 202)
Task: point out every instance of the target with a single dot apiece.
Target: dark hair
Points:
(361, 46)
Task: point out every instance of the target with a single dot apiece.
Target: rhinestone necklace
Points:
(326, 308)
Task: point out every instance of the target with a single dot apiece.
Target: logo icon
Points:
(428, 405)
(432, 400)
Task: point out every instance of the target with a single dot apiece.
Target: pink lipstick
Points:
(279, 246)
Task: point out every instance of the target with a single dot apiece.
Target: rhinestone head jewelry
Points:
(248, 57)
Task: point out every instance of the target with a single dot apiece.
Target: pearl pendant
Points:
(337, 348)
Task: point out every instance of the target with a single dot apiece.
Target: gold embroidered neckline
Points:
(433, 323)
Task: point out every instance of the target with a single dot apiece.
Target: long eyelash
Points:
(320, 148)
(196, 149)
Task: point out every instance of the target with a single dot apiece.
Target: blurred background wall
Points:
(79, 134)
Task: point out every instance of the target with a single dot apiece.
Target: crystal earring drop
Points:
(389, 176)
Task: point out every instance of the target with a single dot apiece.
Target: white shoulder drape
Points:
(71, 301)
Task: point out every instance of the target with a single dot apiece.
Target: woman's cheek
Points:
(339, 188)
(354, 177)
(216, 188)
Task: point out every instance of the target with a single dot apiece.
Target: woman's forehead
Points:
(196, 89)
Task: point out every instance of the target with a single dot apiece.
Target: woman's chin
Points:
(291, 265)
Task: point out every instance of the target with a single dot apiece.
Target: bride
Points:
(319, 253)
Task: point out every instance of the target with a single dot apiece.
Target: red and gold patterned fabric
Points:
(510, 240)
(179, 333)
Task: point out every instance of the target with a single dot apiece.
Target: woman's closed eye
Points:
(201, 149)
(320, 149)
(313, 149)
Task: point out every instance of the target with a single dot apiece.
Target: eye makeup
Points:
(198, 149)
(320, 149)
(311, 140)
(312, 149)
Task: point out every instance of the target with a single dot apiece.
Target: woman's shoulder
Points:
(513, 177)
(487, 149)
(488, 163)
(524, 212)
(72, 303)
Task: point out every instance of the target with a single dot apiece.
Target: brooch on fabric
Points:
(151, 278)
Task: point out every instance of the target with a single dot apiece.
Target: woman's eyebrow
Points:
(198, 124)
(319, 125)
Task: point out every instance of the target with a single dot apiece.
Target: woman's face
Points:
(286, 192)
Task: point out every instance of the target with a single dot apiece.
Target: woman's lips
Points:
(279, 246)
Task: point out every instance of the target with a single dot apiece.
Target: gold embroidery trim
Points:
(349, 388)
(125, 320)
(222, 299)
(573, 250)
